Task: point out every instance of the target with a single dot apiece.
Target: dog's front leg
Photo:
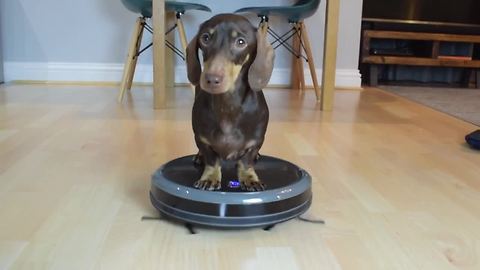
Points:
(249, 180)
(211, 178)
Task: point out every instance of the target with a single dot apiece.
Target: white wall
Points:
(87, 40)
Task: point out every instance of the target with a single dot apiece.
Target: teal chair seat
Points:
(300, 10)
(144, 7)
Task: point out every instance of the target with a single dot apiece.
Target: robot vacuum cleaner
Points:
(287, 195)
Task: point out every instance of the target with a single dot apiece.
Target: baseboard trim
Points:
(112, 72)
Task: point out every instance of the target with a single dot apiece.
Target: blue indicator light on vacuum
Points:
(233, 184)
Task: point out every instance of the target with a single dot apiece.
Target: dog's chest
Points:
(230, 130)
(228, 140)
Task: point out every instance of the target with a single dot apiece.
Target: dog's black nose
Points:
(214, 78)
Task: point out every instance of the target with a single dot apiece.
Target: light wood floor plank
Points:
(393, 180)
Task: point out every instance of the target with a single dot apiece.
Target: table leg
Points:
(169, 57)
(329, 54)
(158, 20)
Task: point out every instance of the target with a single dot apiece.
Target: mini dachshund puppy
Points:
(230, 114)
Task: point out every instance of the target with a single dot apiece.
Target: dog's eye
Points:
(205, 38)
(240, 42)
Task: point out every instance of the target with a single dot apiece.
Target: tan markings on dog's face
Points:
(246, 59)
(234, 70)
(234, 34)
(212, 66)
(204, 140)
(211, 31)
(250, 144)
(221, 65)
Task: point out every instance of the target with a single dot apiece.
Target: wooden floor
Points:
(393, 180)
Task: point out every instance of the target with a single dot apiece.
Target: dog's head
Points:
(231, 47)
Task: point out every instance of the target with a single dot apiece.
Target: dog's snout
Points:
(214, 78)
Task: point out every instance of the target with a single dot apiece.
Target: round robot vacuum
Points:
(287, 195)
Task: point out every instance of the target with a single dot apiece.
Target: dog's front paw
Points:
(249, 180)
(207, 184)
(252, 185)
(211, 179)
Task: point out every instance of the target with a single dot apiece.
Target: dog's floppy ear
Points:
(193, 63)
(261, 69)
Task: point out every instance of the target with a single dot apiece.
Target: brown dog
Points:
(230, 114)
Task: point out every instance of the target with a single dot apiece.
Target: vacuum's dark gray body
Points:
(288, 194)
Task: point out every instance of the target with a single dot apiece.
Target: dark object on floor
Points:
(473, 139)
(288, 194)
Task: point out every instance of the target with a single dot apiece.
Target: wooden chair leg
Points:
(131, 74)
(169, 55)
(300, 68)
(301, 75)
(183, 40)
(298, 78)
(132, 51)
(182, 35)
(311, 64)
(294, 73)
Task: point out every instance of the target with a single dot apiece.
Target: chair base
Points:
(301, 45)
(135, 50)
